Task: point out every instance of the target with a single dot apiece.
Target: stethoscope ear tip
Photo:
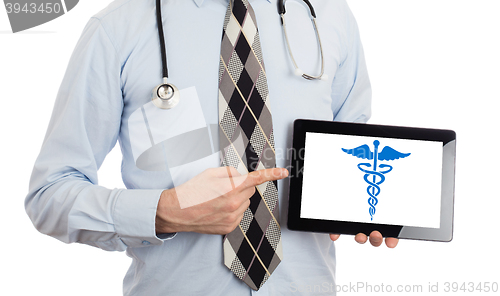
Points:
(324, 77)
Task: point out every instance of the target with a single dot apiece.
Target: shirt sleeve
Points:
(64, 199)
(351, 89)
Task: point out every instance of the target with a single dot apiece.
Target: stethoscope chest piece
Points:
(165, 96)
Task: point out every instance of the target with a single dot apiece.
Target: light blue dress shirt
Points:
(105, 97)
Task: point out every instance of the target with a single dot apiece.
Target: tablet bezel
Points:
(448, 137)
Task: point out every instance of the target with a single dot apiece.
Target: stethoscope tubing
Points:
(282, 11)
(166, 96)
(304, 75)
(161, 35)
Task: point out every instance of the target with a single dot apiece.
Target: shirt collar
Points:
(200, 2)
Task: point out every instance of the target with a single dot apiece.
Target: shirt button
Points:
(145, 242)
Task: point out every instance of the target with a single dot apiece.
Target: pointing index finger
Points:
(261, 176)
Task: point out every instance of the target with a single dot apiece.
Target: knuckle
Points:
(232, 205)
(232, 218)
(230, 223)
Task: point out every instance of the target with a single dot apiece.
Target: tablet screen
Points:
(351, 178)
(372, 180)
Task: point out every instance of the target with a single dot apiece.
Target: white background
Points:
(334, 187)
(432, 63)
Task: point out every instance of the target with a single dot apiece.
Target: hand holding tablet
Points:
(357, 178)
(375, 239)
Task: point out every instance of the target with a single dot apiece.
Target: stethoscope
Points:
(298, 71)
(166, 95)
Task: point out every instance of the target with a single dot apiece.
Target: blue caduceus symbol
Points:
(378, 172)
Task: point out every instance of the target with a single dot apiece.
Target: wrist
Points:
(166, 205)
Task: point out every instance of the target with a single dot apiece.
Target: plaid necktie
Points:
(253, 250)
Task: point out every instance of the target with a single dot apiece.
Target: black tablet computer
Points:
(351, 178)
